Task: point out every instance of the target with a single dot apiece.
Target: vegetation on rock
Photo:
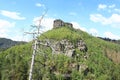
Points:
(99, 62)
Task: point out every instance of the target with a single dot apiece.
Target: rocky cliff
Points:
(65, 46)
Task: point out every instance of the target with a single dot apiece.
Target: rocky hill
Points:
(70, 55)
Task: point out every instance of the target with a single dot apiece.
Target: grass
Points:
(103, 61)
(94, 44)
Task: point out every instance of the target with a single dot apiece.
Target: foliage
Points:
(14, 63)
(102, 62)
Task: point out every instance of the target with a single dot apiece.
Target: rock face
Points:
(66, 47)
(82, 46)
(60, 23)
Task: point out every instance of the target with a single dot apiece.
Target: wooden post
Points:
(33, 58)
(35, 45)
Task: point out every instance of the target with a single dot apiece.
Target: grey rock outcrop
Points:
(66, 47)
(82, 46)
(59, 23)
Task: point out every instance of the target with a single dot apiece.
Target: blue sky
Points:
(97, 17)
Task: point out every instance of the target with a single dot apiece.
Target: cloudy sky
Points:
(97, 17)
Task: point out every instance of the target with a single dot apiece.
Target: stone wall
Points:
(59, 23)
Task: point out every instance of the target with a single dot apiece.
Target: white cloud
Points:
(4, 27)
(72, 13)
(47, 23)
(77, 26)
(102, 6)
(99, 18)
(7, 31)
(12, 15)
(117, 10)
(20, 37)
(111, 35)
(4, 24)
(112, 6)
(109, 8)
(40, 5)
(114, 19)
(93, 31)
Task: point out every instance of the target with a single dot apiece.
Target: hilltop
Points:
(76, 56)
